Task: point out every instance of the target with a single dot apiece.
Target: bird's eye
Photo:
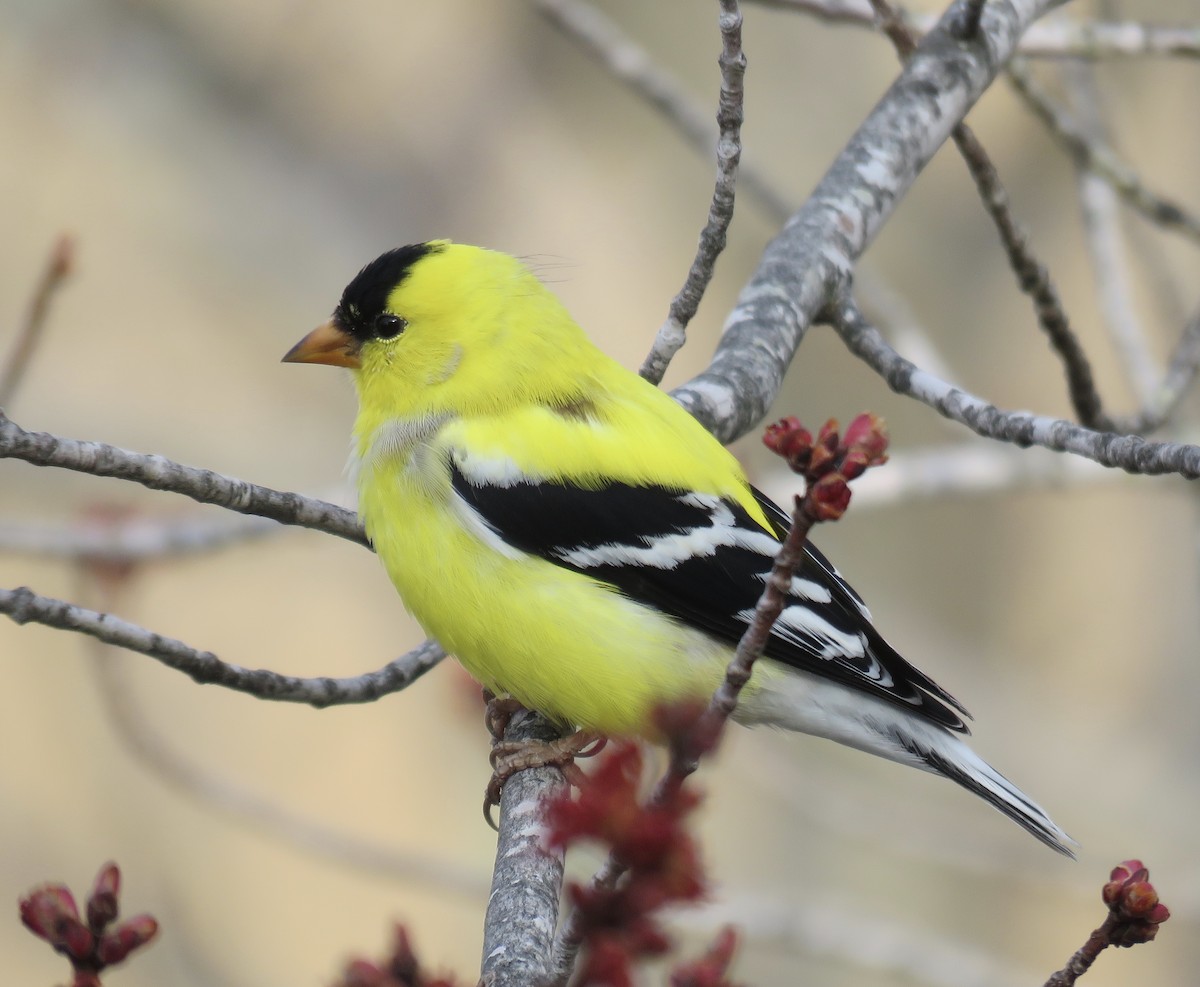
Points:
(388, 326)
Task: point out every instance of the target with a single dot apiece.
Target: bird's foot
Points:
(500, 709)
(510, 756)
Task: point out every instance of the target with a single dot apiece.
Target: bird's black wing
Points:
(704, 560)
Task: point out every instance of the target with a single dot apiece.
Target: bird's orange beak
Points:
(328, 344)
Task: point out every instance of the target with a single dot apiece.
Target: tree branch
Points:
(518, 931)
(1033, 277)
(159, 473)
(1128, 452)
(24, 606)
(672, 333)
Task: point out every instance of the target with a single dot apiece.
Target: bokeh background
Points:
(225, 168)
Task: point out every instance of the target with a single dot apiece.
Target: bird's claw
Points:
(500, 710)
(510, 756)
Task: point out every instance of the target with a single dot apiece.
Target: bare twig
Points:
(24, 606)
(1032, 275)
(1099, 158)
(522, 909)
(894, 315)
(1034, 279)
(58, 269)
(1062, 38)
(671, 334)
(1128, 452)
(159, 473)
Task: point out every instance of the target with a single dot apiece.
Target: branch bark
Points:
(518, 931)
(24, 606)
(159, 473)
(1128, 452)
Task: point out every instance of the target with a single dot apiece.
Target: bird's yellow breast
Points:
(558, 641)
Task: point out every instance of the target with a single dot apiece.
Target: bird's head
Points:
(442, 326)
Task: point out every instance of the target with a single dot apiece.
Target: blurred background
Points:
(225, 168)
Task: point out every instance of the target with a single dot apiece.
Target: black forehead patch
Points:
(366, 296)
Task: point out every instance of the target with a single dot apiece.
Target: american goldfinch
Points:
(581, 543)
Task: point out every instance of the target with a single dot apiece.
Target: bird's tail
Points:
(953, 759)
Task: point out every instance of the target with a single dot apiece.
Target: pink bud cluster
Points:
(1133, 904)
(830, 461)
(50, 913)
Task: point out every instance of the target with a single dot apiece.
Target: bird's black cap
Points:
(366, 296)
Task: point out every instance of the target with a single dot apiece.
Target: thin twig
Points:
(58, 269)
(159, 473)
(1100, 158)
(1033, 277)
(672, 333)
(1128, 452)
(23, 606)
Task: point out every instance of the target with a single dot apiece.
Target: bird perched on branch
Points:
(581, 543)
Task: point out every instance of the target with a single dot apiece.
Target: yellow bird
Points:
(581, 543)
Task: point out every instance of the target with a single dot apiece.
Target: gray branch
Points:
(24, 606)
(159, 473)
(672, 334)
(1128, 452)
(518, 931)
(806, 266)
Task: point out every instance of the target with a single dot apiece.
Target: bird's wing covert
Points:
(704, 560)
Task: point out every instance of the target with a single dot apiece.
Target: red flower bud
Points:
(829, 497)
(791, 440)
(868, 433)
(50, 913)
(132, 934)
(102, 906)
